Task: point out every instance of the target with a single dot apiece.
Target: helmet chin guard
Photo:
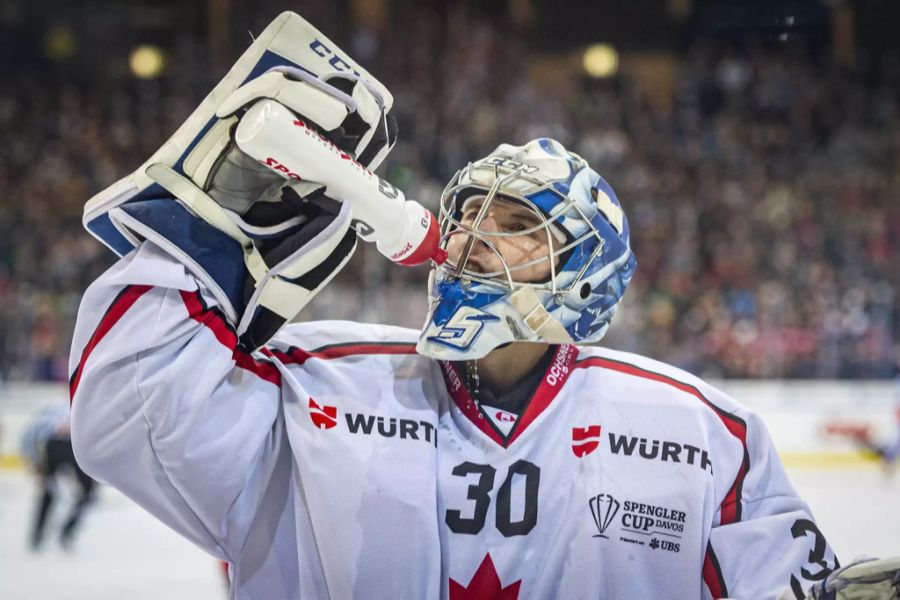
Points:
(577, 216)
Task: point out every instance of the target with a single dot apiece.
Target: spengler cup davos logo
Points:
(603, 508)
(640, 523)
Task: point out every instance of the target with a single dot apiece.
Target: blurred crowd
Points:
(763, 199)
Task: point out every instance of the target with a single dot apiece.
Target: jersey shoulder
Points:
(642, 370)
(316, 336)
(348, 356)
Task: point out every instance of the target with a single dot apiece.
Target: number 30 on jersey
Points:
(480, 493)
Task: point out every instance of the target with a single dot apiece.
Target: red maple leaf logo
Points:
(485, 585)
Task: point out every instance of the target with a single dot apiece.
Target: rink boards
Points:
(813, 423)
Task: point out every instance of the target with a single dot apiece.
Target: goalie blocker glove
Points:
(261, 243)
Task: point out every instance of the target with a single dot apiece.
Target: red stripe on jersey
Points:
(213, 320)
(556, 376)
(298, 356)
(119, 306)
(262, 369)
(712, 574)
(731, 504)
(198, 311)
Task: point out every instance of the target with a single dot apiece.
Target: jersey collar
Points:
(554, 378)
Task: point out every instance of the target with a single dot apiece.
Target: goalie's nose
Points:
(482, 259)
(476, 264)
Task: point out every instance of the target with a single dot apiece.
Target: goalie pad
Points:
(180, 199)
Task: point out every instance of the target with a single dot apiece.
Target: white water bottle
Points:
(403, 230)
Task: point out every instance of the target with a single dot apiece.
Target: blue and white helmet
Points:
(472, 312)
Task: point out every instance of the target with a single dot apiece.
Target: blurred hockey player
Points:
(887, 451)
(497, 453)
(879, 445)
(47, 444)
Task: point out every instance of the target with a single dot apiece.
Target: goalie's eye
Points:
(502, 216)
(468, 216)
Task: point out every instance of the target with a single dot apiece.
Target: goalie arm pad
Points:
(166, 407)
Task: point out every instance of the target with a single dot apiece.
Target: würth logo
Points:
(585, 440)
(326, 417)
(323, 417)
(660, 450)
(603, 508)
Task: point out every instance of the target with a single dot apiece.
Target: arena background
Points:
(755, 147)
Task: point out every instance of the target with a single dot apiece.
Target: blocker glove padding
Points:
(263, 243)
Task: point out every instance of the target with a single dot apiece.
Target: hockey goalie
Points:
(496, 453)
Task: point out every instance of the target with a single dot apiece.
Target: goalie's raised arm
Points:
(167, 408)
(173, 401)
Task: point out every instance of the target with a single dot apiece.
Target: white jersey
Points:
(338, 463)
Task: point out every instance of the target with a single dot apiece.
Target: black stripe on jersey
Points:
(714, 560)
(297, 355)
(215, 310)
(354, 343)
(720, 411)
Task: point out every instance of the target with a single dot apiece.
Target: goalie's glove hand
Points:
(866, 579)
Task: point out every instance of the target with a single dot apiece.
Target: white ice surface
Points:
(121, 552)
(124, 553)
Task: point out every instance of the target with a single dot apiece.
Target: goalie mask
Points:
(539, 252)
